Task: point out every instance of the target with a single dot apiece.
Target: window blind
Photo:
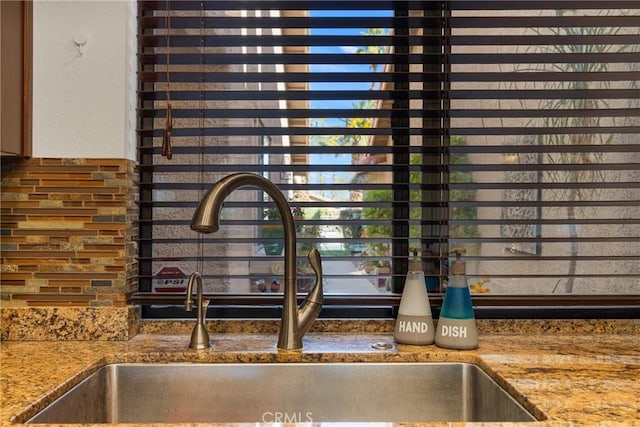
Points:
(544, 128)
(508, 129)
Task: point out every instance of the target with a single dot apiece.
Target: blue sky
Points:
(318, 177)
(346, 67)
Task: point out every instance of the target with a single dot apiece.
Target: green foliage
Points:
(378, 230)
(415, 177)
(462, 212)
(350, 123)
(373, 49)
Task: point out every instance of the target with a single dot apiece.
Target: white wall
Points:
(84, 105)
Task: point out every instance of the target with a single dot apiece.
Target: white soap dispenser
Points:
(457, 323)
(414, 324)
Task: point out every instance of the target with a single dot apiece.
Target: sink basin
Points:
(285, 392)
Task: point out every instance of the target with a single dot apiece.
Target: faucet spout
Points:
(295, 321)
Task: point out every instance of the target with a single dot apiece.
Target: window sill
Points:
(385, 306)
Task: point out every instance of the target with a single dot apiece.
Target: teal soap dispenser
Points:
(457, 324)
(414, 324)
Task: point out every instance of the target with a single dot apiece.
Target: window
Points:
(502, 129)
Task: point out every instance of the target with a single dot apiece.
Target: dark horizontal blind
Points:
(508, 129)
(544, 153)
(314, 96)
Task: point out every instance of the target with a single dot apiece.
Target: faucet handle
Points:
(312, 304)
(188, 303)
(316, 264)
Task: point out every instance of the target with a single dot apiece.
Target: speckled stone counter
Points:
(566, 379)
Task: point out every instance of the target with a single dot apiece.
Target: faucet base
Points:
(289, 341)
(199, 338)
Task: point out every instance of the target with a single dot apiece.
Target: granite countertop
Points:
(566, 379)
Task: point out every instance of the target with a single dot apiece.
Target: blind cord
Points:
(167, 149)
(200, 263)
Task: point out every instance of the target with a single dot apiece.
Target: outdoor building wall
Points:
(211, 244)
(540, 268)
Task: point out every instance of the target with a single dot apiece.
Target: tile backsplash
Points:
(68, 232)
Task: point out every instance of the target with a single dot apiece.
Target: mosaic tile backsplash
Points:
(68, 232)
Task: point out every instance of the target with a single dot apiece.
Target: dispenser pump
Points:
(414, 324)
(457, 324)
(415, 263)
(458, 266)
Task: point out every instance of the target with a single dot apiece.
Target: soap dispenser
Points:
(457, 324)
(414, 324)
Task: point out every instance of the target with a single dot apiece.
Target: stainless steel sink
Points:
(283, 392)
